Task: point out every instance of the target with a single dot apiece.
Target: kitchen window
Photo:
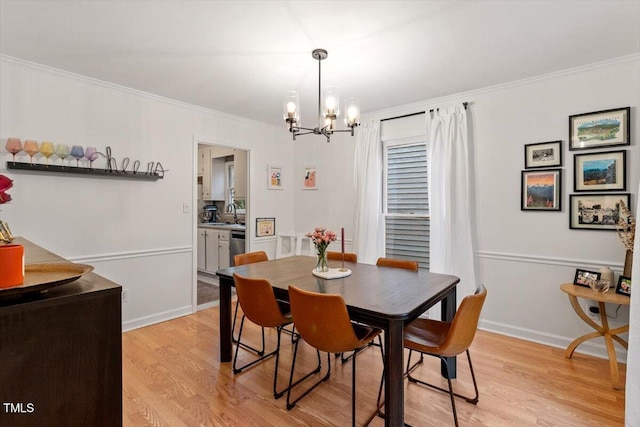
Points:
(406, 201)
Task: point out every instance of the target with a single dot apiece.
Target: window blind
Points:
(407, 203)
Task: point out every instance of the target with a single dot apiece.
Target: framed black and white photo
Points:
(543, 155)
(624, 286)
(600, 171)
(606, 128)
(596, 211)
(541, 190)
(583, 277)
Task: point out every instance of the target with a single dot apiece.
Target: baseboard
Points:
(591, 348)
(140, 322)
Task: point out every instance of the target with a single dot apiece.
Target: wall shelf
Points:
(73, 170)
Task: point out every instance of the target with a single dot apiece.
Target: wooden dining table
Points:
(387, 298)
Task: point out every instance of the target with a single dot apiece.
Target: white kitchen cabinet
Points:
(224, 260)
(213, 249)
(204, 160)
(240, 167)
(217, 178)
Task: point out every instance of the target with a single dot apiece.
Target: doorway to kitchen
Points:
(221, 207)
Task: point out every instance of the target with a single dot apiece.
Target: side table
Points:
(575, 292)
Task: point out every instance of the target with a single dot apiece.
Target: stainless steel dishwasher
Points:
(236, 244)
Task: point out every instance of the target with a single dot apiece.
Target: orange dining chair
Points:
(322, 320)
(242, 259)
(446, 339)
(337, 256)
(397, 263)
(259, 305)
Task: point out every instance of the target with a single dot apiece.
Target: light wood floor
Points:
(172, 377)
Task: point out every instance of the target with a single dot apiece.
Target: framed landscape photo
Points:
(624, 286)
(541, 190)
(543, 155)
(606, 128)
(265, 227)
(583, 277)
(596, 211)
(600, 171)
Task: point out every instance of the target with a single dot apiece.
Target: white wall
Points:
(522, 257)
(136, 234)
(133, 232)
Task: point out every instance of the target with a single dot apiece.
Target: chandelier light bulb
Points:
(291, 108)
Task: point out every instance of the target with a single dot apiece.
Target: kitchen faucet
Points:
(232, 208)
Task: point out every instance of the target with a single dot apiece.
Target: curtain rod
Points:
(418, 113)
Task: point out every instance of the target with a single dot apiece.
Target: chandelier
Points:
(328, 108)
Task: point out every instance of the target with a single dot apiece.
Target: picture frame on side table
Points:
(596, 211)
(604, 171)
(543, 155)
(274, 178)
(309, 175)
(624, 286)
(606, 128)
(583, 277)
(541, 190)
(265, 227)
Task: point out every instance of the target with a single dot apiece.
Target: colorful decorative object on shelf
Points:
(321, 238)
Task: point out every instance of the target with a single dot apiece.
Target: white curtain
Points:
(451, 250)
(632, 404)
(368, 233)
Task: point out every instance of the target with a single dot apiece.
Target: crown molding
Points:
(468, 96)
(101, 83)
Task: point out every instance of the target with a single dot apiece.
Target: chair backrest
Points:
(305, 245)
(322, 320)
(337, 256)
(397, 263)
(258, 301)
(465, 324)
(250, 258)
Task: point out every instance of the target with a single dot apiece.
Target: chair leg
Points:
(473, 400)
(237, 340)
(237, 370)
(290, 403)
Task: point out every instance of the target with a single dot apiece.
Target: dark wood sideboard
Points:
(61, 352)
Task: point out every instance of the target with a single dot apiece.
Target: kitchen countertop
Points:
(221, 226)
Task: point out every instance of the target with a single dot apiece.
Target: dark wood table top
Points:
(382, 292)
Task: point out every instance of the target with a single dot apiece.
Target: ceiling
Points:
(240, 57)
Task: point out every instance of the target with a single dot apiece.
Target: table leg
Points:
(394, 390)
(613, 360)
(225, 319)
(601, 331)
(447, 313)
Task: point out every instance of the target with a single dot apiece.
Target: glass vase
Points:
(321, 265)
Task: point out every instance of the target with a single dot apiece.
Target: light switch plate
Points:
(185, 207)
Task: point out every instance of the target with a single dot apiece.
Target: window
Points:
(406, 201)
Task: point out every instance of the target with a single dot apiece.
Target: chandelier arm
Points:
(309, 131)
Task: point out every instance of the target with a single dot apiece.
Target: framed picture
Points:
(583, 277)
(541, 190)
(309, 178)
(274, 177)
(543, 155)
(606, 128)
(596, 211)
(265, 227)
(624, 286)
(600, 171)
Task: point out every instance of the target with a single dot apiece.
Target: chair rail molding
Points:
(539, 259)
